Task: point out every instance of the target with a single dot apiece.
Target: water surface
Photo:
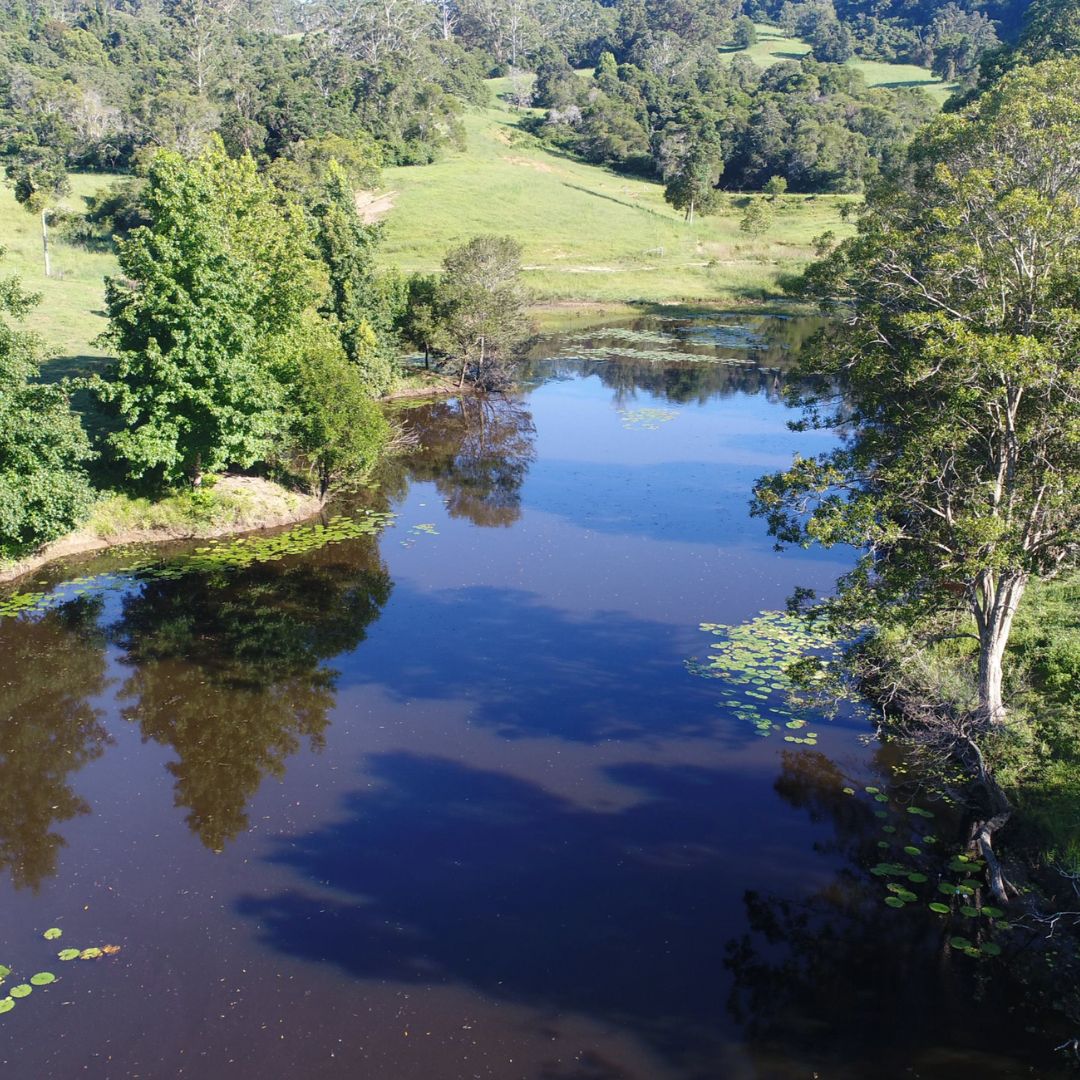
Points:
(446, 802)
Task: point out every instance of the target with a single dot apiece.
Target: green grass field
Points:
(70, 314)
(772, 47)
(589, 234)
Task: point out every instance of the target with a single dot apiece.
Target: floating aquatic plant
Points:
(754, 661)
(215, 557)
(646, 419)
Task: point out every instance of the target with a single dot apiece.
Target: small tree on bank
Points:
(44, 489)
(955, 341)
(480, 308)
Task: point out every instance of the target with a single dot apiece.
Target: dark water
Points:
(447, 803)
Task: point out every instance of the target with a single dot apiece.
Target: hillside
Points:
(589, 233)
(772, 46)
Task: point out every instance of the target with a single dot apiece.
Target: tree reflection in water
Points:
(476, 450)
(231, 672)
(54, 665)
(842, 980)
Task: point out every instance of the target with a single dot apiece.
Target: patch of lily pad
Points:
(753, 660)
(40, 979)
(646, 419)
(215, 557)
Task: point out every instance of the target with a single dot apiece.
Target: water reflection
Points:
(231, 672)
(841, 980)
(678, 360)
(476, 449)
(49, 729)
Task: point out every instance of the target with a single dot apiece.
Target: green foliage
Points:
(355, 301)
(480, 305)
(336, 430)
(44, 489)
(955, 336)
(208, 287)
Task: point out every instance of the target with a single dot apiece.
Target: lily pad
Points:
(52, 933)
(43, 978)
(90, 954)
(961, 943)
(68, 954)
(941, 909)
(991, 948)
(6, 1005)
(894, 901)
(21, 991)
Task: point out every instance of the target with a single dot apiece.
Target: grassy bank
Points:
(232, 504)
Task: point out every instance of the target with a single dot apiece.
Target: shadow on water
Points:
(443, 873)
(49, 730)
(841, 962)
(529, 670)
(232, 672)
(439, 873)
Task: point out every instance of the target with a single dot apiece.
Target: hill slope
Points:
(588, 233)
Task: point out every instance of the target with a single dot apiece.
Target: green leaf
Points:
(4, 971)
(969, 912)
(993, 912)
(941, 909)
(894, 901)
(960, 943)
(21, 991)
(43, 978)
(6, 1005)
(911, 849)
(52, 933)
(991, 948)
(68, 954)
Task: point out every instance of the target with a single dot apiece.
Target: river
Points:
(453, 799)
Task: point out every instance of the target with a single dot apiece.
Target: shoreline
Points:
(257, 504)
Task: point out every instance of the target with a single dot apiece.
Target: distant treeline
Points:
(93, 84)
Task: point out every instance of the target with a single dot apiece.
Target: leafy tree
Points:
(774, 186)
(757, 218)
(745, 33)
(418, 324)
(694, 162)
(44, 489)
(336, 430)
(208, 288)
(355, 301)
(481, 306)
(957, 317)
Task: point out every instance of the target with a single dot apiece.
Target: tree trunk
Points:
(995, 608)
(45, 241)
(197, 473)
